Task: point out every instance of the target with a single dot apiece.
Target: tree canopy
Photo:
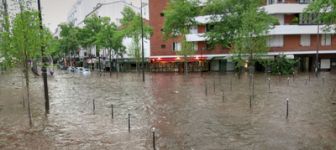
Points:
(326, 10)
(179, 17)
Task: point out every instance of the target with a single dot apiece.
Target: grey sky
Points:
(55, 12)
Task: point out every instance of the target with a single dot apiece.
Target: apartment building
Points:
(296, 36)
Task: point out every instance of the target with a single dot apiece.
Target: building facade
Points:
(296, 36)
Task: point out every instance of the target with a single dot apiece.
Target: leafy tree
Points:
(26, 44)
(326, 10)
(93, 25)
(131, 28)
(239, 25)
(110, 38)
(69, 42)
(5, 36)
(179, 18)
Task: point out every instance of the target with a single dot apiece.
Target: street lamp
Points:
(44, 64)
(99, 5)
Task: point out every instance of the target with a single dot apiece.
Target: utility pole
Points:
(142, 45)
(44, 64)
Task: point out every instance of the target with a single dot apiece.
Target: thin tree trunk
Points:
(185, 66)
(26, 74)
(110, 62)
(23, 90)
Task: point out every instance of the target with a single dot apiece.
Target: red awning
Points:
(177, 59)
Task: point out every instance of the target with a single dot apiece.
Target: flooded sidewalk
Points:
(208, 111)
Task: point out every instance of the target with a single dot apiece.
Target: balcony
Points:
(284, 8)
(195, 37)
(277, 30)
(297, 30)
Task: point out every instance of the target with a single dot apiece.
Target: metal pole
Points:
(317, 49)
(153, 131)
(142, 45)
(287, 108)
(129, 123)
(44, 69)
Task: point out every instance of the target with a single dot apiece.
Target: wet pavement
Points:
(201, 112)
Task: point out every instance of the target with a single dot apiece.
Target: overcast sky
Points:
(55, 12)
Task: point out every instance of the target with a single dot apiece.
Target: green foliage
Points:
(326, 10)
(281, 65)
(179, 17)
(69, 38)
(241, 25)
(110, 38)
(26, 40)
(93, 26)
(131, 26)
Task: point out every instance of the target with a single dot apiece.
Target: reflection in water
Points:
(178, 107)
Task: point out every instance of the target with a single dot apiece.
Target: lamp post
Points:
(142, 45)
(317, 49)
(44, 69)
(99, 5)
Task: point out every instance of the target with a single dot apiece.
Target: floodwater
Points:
(201, 112)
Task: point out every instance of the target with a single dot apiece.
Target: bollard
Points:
(287, 108)
(93, 106)
(251, 101)
(269, 85)
(214, 86)
(153, 131)
(293, 77)
(323, 79)
(288, 81)
(112, 113)
(129, 123)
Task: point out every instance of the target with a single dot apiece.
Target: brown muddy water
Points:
(186, 115)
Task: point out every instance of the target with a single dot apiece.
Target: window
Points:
(195, 46)
(275, 1)
(275, 41)
(326, 40)
(177, 46)
(163, 46)
(193, 30)
(162, 14)
(305, 40)
(304, 1)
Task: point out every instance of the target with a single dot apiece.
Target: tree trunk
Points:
(23, 91)
(99, 67)
(110, 62)
(26, 75)
(117, 65)
(185, 66)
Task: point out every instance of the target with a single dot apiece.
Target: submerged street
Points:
(188, 113)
